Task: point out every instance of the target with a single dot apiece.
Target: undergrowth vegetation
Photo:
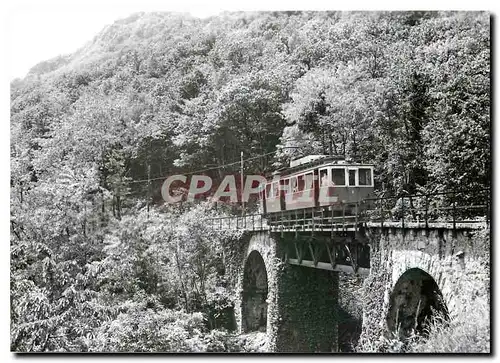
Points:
(467, 332)
(100, 263)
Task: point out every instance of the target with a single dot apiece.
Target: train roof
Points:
(312, 162)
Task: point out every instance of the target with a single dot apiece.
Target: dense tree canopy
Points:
(94, 253)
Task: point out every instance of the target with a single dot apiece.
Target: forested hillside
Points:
(98, 263)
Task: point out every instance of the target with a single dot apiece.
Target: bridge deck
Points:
(259, 223)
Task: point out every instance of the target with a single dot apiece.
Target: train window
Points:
(365, 176)
(323, 177)
(352, 177)
(268, 190)
(286, 186)
(338, 176)
(276, 190)
(300, 182)
(309, 179)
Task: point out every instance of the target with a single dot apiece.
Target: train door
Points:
(325, 186)
(274, 200)
(309, 191)
(316, 184)
(285, 184)
(339, 180)
(292, 195)
(353, 184)
(262, 200)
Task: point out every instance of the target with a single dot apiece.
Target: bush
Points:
(141, 328)
(468, 333)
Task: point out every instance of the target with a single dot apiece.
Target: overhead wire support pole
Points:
(241, 180)
(149, 187)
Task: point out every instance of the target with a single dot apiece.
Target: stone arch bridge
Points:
(322, 285)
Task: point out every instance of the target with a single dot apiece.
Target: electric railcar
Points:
(318, 181)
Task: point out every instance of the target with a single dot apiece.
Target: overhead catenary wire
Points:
(204, 170)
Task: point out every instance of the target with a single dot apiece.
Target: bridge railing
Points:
(455, 207)
(253, 222)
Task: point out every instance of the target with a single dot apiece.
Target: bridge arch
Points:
(415, 299)
(255, 292)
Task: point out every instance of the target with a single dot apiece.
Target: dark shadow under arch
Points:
(255, 289)
(414, 301)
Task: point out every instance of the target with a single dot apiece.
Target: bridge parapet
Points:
(478, 224)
